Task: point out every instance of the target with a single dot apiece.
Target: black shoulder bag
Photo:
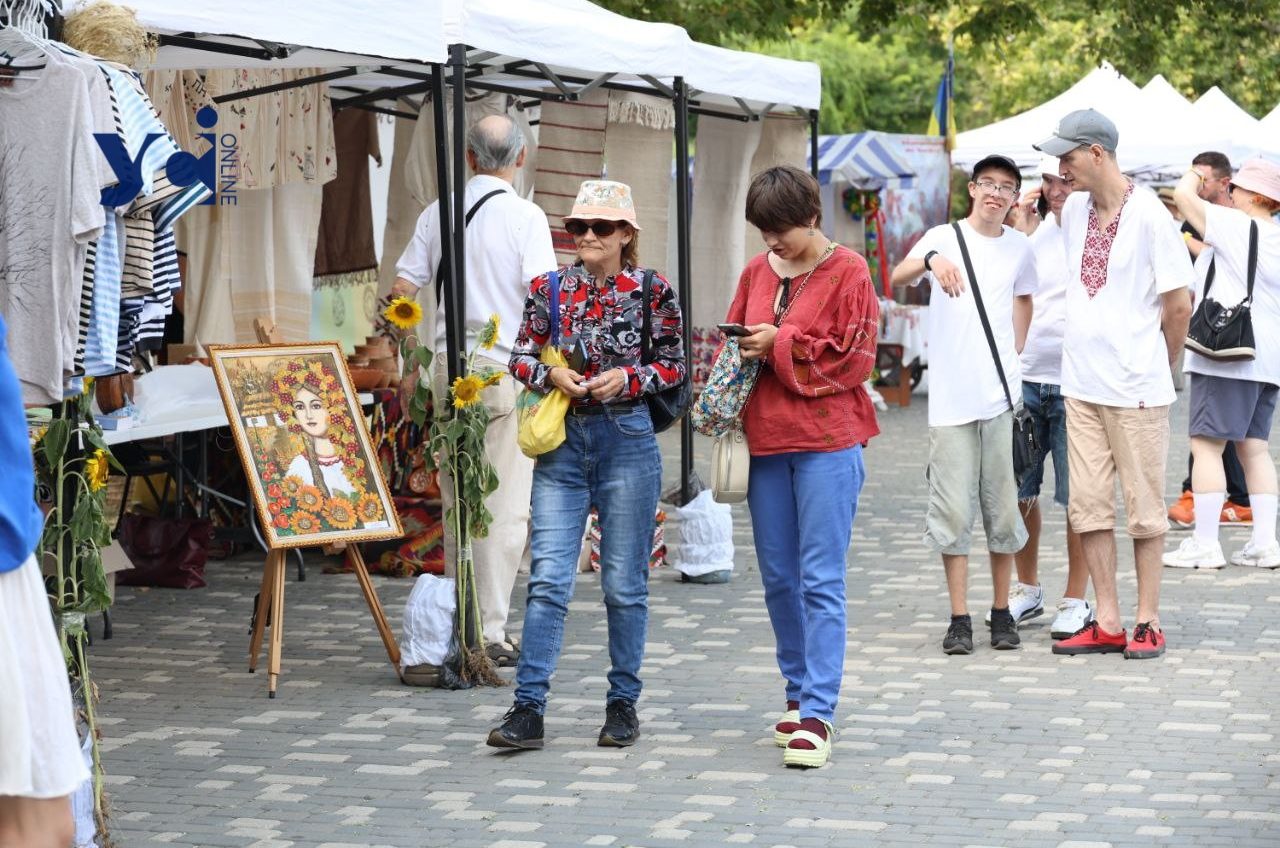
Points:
(1225, 333)
(471, 213)
(669, 405)
(1026, 447)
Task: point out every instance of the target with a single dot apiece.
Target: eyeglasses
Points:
(996, 188)
(604, 229)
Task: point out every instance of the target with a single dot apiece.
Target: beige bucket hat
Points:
(604, 200)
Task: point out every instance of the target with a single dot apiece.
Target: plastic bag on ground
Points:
(428, 621)
(706, 537)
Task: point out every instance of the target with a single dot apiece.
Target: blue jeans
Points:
(802, 510)
(1049, 414)
(610, 461)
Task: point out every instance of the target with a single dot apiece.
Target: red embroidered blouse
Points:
(810, 395)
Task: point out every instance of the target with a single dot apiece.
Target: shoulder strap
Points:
(1208, 277)
(1253, 260)
(982, 313)
(471, 213)
(646, 284)
(553, 306)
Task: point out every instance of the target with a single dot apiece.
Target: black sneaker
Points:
(1004, 630)
(521, 728)
(959, 638)
(621, 726)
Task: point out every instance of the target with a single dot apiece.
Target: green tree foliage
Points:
(713, 21)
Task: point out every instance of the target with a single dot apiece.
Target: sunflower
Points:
(403, 312)
(304, 522)
(291, 486)
(369, 508)
(493, 379)
(466, 391)
(310, 498)
(489, 333)
(339, 513)
(96, 470)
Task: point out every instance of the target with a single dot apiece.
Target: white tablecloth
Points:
(907, 326)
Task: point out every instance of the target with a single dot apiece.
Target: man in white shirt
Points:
(1127, 314)
(508, 243)
(1042, 397)
(970, 413)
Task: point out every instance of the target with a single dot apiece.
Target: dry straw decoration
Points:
(110, 32)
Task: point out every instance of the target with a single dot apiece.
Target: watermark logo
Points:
(218, 169)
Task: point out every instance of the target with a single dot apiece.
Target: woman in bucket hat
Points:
(1235, 400)
(609, 458)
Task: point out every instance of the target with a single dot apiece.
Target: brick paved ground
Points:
(1001, 748)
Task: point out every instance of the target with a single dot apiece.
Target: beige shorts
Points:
(1105, 440)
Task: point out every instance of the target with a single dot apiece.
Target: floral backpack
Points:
(729, 385)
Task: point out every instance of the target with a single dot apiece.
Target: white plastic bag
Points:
(428, 621)
(706, 536)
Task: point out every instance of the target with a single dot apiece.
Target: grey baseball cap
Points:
(1081, 127)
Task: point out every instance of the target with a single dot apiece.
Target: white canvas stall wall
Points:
(403, 208)
(637, 151)
(783, 141)
(571, 142)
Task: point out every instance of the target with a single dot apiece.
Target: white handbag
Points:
(730, 466)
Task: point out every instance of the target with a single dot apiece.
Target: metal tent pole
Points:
(446, 230)
(683, 269)
(813, 142)
(456, 298)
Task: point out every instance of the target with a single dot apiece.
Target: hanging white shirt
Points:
(1042, 354)
(508, 243)
(964, 385)
(1113, 352)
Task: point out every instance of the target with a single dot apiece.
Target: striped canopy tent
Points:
(865, 160)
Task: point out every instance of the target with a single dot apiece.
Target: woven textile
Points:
(637, 152)
(571, 142)
(1097, 247)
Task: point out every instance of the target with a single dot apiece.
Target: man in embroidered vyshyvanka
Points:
(1127, 313)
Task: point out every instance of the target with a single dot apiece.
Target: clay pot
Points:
(366, 378)
(386, 363)
(357, 362)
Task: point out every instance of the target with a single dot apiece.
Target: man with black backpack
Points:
(982, 275)
(508, 243)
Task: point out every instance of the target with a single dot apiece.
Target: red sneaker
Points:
(1092, 639)
(1147, 642)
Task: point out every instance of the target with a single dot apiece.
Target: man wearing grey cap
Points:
(1127, 313)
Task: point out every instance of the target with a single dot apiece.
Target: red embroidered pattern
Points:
(1097, 247)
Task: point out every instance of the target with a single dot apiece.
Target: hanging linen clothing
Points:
(50, 209)
(571, 142)
(784, 140)
(420, 168)
(403, 209)
(637, 151)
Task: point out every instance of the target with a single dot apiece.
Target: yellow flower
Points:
(310, 498)
(292, 486)
(466, 391)
(304, 522)
(96, 469)
(339, 513)
(403, 312)
(489, 333)
(493, 379)
(369, 508)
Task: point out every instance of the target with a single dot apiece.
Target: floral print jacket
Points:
(608, 317)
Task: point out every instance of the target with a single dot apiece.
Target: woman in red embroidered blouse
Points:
(609, 458)
(812, 315)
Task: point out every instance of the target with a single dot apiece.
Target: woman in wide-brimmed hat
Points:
(1234, 401)
(609, 458)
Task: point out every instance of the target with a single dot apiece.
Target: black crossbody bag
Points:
(669, 405)
(1225, 333)
(1026, 447)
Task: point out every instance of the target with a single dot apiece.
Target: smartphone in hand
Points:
(733, 329)
(577, 358)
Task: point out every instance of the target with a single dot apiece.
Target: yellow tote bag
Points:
(540, 416)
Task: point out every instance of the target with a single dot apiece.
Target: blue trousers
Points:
(610, 461)
(802, 510)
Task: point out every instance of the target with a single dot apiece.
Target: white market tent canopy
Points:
(1159, 132)
(866, 160)
(1249, 136)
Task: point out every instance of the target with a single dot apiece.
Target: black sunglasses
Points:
(604, 229)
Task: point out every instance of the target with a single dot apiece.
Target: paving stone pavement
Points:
(1012, 748)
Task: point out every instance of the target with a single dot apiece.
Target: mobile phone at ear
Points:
(733, 329)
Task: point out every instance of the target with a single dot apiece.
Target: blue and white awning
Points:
(866, 160)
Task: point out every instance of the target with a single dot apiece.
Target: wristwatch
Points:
(927, 257)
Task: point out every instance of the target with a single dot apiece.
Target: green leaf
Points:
(94, 581)
(423, 355)
(55, 441)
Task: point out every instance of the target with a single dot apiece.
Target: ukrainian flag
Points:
(943, 113)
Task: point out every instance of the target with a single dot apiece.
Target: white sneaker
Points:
(1073, 614)
(1196, 553)
(1025, 601)
(1268, 557)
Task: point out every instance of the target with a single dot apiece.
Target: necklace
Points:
(784, 298)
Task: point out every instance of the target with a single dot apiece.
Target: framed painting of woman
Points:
(302, 438)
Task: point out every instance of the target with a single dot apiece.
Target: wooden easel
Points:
(271, 602)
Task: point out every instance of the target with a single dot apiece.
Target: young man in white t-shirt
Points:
(1127, 314)
(970, 417)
